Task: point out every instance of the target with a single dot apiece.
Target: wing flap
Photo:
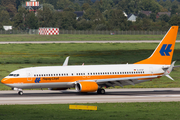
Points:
(127, 78)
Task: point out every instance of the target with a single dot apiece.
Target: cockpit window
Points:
(15, 75)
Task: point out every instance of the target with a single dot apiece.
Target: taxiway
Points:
(71, 96)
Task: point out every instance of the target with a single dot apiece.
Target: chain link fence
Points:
(36, 31)
(88, 32)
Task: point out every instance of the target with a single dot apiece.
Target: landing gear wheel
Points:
(101, 91)
(20, 92)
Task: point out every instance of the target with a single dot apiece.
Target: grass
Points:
(76, 37)
(106, 111)
(15, 56)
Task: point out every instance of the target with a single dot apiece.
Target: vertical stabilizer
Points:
(164, 52)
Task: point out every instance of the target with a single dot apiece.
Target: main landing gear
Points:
(100, 91)
(20, 92)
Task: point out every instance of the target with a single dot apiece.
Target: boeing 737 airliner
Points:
(91, 78)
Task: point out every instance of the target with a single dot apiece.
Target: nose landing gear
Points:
(20, 92)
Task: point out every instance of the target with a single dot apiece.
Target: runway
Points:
(71, 96)
(113, 41)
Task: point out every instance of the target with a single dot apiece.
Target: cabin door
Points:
(151, 70)
(29, 75)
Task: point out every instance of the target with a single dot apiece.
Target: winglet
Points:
(66, 61)
(163, 53)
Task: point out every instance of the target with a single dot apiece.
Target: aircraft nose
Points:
(5, 81)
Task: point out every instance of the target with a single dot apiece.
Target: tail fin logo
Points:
(165, 50)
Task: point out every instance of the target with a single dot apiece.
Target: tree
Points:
(45, 17)
(18, 3)
(174, 9)
(153, 17)
(89, 13)
(31, 21)
(84, 24)
(164, 17)
(7, 2)
(98, 18)
(77, 7)
(142, 15)
(150, 5)
(129, 6)
(117, 20)
(68, 21)
(19, 19)
(61, 4)
(168, 4)
(4, 17)
(85, 6)
(175, 20)
(11, 9)
(161, 2)
(49, 6)
(101, 27)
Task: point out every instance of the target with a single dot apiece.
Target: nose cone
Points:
(5, 81)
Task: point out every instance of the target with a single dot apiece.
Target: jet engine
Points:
(86, 86)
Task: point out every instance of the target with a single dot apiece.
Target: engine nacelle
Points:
(86, 86)
(57, 88)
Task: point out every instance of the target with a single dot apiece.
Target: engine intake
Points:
(86, 86)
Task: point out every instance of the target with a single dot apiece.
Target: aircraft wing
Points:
(122, 81)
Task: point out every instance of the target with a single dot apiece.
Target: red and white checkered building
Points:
(48, 31)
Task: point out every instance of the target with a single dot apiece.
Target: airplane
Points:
(92, 78)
